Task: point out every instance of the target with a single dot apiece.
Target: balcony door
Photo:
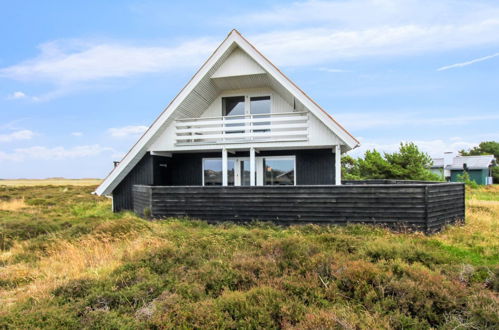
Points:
(251, 108)
(242, 172)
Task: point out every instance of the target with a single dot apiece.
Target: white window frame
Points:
(260, 171)
(218, 158)
(247, 100)
(258, 168)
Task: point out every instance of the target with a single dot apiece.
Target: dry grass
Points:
(90, 257)
(321, 276)
(50, 182)
(13, 205)
(481, 231)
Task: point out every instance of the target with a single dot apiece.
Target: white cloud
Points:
(301, 33)
(358, 121)
(69, 62)
(434, 148)
(332, 70)
(56, 153)
(320, 45)
(368, 13)
(17, 135)
(16, 96)
(127, 131)
(460, 65)
(77, 134)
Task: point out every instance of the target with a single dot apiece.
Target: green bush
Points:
(409, 163)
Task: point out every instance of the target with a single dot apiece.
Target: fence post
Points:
(426, 209)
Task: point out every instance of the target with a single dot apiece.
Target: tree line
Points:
(408, 163)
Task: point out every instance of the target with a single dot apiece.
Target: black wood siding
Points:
(142, 173)
(425, 207)
(313, 167)
(147, 172)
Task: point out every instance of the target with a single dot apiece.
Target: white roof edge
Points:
(139, 149)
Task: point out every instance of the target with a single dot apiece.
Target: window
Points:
(278, 171)
(233, 106)
(260, 106)
(212, 172)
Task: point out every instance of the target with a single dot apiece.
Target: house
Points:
(479, 168)
(242, 142)
(440, 168)
(238, 122)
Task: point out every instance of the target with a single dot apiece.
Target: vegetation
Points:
(486, 148)
(465, 178)
(66, 261)
(51, 181)
(409, 163)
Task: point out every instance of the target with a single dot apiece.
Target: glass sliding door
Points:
(244, 168)
(212, 172)
(270, 171)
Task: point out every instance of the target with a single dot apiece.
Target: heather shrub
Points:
(78, 265)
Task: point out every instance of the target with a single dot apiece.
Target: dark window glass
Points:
(233, 106)
(245, 173)
(260, 106)
(279, 171)
(213, 172)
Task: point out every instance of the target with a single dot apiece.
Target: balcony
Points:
(276, 127)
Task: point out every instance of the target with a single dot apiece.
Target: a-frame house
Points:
(238, 122)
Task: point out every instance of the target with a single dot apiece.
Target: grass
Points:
(13, 205)
(52, 182)
(67, 261)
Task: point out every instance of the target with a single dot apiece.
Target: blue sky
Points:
(80, 80)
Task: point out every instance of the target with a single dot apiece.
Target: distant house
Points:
(479, 168)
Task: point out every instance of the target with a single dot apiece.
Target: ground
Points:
(66, 261)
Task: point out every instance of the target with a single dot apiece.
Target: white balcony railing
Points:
(290, 126)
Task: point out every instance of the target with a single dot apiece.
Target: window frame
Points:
(283, 157)
(247, 100)
(258, 160)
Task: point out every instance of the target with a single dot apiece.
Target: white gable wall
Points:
(238, 64)
(319, 134)
(202, 90)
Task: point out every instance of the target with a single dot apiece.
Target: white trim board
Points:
(231, 41)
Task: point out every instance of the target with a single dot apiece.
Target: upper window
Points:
(260, 105)
(233, 106)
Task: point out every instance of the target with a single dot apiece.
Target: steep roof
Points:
(189, 95)
(438, 163)
(472, 162)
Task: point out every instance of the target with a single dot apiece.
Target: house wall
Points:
(148, 171)
(318, 134)
(313, 167)
(479, 176)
